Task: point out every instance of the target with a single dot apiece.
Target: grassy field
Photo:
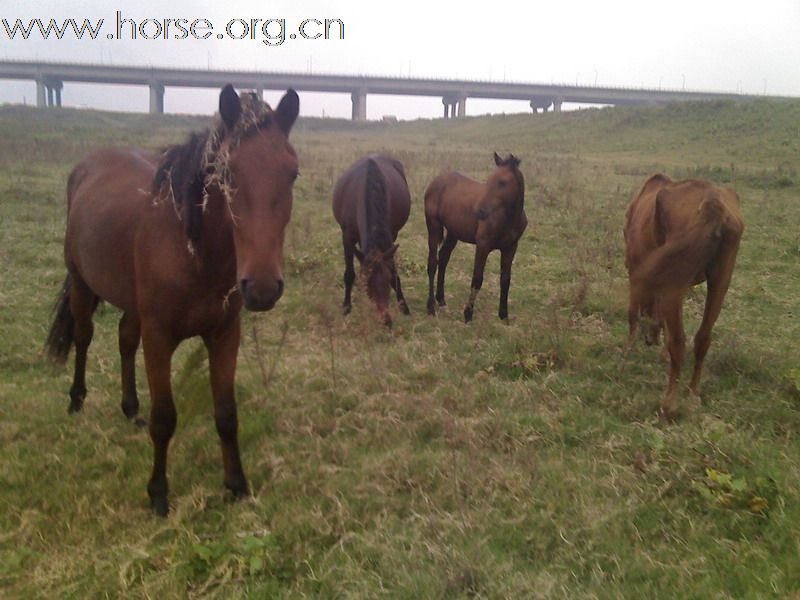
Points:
(439, 460)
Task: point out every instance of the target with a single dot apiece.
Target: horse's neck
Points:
(217, 253)
(515, 210)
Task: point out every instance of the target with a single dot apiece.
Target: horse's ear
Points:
(497, 160)
(230, 106)
(286, 113)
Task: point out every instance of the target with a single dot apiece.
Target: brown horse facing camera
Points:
(490, 215)
(679, 234)
(371, 203)
(179, 242)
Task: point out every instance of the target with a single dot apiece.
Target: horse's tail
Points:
(433, 198)
(677, 263)
(60, 338)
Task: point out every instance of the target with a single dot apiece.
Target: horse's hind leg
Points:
(129, 334)
(435, 232)
(82, 304)
(718, 281)
(444, 257)
(676, 343)
(634, 315)
(349, 276)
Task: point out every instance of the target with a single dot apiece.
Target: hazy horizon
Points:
(711, 46)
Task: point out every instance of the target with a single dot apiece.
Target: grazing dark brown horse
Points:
(490, 215)
(371, 203)
(679, 234)
(179, 242)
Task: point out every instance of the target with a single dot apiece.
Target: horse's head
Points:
(377, 272)
(258, 173)
(505, 189)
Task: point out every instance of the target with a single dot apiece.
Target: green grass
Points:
(439, 460)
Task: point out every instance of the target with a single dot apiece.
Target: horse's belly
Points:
(99, 246)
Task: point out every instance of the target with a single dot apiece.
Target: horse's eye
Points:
(502, 183)
(295, 175)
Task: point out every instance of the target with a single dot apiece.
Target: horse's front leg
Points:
(506, 259)
(398, 290)
(223, 347)
(481, 253)
(158, 349)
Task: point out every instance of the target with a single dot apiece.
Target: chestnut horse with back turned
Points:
(179, 242)
(371, 203)
(490, 215)
(677, 235)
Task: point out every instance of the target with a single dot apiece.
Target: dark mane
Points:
(185, 170)
(180, 176)
(379, 237)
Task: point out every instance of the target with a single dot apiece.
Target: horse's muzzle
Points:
(259, 296)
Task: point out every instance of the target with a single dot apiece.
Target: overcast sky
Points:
(749, 47)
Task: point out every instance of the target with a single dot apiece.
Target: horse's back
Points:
(349, 193)
(107, 194)
(450, 200)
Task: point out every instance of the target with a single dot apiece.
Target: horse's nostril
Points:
(280, 287)
(243, 286)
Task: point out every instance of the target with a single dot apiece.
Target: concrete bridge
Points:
(51, 76)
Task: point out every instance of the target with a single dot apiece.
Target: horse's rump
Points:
(689, 220)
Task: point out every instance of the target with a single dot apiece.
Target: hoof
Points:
(239, 489)
(159, 506)
(157, 490)
(467, 314)
(404, 308)
(130, 409)
(76, 396)
(441, 301)
(346, 309)
(668, 415)
(431, 309)
(503, 317)
(139, 422)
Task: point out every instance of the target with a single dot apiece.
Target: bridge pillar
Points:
(41, 93)
(454, 106)
(462, 106)
(449, 107)
(56, 86)
(156, 98)
(557, 104)
(541, 102)
(359, 99)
